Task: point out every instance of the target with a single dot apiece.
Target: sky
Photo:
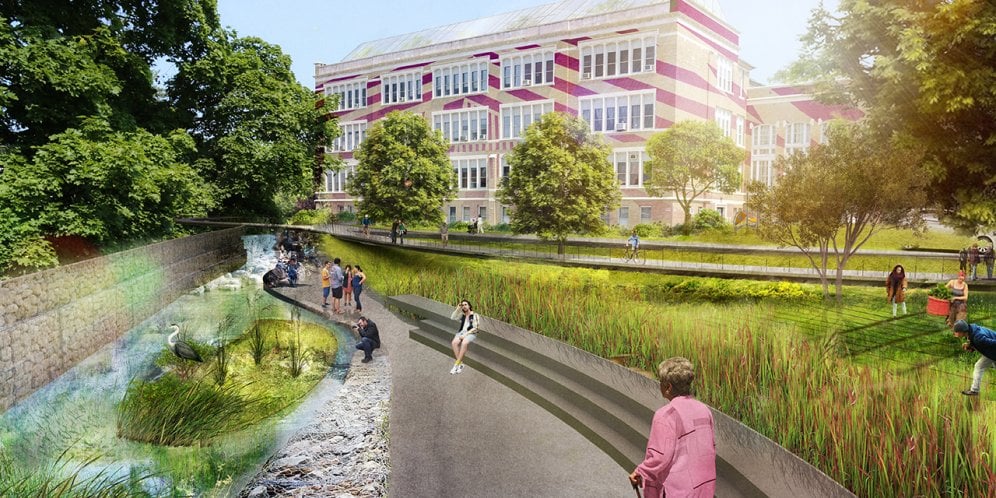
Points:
(325, 31)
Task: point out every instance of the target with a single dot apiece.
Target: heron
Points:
(181, 349)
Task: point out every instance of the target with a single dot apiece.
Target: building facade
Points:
(629, 68)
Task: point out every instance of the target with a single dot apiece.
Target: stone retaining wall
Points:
(51, 320)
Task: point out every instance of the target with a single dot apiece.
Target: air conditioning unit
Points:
(586, 76)
(621, 126)
(649, 68)
(527, 82)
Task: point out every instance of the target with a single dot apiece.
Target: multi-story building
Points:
(629, 68)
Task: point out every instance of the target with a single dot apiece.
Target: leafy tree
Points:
(561, 180)
(924, 69)
(256, 128)
(404, 171)
(689, 159)
(830, 202)
(103, 185)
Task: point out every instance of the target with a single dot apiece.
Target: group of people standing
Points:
(970, 257)
(343, 285)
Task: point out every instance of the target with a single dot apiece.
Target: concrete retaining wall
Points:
(51, 320)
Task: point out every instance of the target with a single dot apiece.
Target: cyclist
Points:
(633, 243)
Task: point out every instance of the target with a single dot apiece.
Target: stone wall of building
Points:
(51, 320)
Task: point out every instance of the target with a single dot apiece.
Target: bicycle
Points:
(633, 255)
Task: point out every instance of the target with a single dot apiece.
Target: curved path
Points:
(467, 435)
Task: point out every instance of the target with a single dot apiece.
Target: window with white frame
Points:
(352, 95)
(763, 138)
(724, 119)
(452, 218)
(460, 79)
(399, 88)
(466, 213)
(471, 173)
(824, 132)
(621, 112)
(724, 74)
(505, 215)
(761, 171)
(646, 212)
(335, 181)
(352, 136)
(505, 167)
(624, 216)
(629, 167)
(515, 118)
(527, 70)
(463, 125)
(738, 136)
(797, 138)
(609, 58)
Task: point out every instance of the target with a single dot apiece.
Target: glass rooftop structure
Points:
(509, 21)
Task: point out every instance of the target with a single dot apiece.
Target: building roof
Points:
(534, 16)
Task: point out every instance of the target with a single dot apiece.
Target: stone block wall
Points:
(51, 320)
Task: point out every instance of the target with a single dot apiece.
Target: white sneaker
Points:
(459, 368)
(454, 370)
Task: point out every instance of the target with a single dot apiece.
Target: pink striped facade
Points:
(684, 83)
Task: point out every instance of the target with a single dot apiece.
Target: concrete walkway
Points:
(467, 435)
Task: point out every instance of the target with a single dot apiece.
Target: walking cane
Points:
(637, 489)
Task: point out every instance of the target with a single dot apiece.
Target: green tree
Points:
(924, 69)
(256, 128)
(689, 159)
(404, 171)
(831, 201)
(561, 180)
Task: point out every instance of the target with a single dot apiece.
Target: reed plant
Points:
(221, 358)
(878, 430)
(294, 346)
(63, 479)
(256, 340)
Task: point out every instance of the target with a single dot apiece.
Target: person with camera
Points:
(369, 337)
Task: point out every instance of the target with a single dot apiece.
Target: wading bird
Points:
(180, 348)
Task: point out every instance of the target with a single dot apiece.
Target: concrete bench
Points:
(610, 405)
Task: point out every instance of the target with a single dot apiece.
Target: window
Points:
(472, 173)
(452, 218)
(797, 138)
(624, 216)
(482, 213)
(527, 70)
(352, 136)
(515, 118)
(505, 218)
(401, 87)
(631, 111)
(466, 78)
(505, 167)
(630, 167)
(335, 181)
(466, 213)
(464, 125)
(620, 56)
(724, 119)
(645, 214)
(722, 211)
(824, 132)
(763, 140)
(761, 171)
(738, 136)
(352, 95)
(724, 74)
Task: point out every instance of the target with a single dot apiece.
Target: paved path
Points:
(467, 435)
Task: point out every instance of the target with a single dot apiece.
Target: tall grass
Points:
(294, 347)
(876, 430)
(64, 480)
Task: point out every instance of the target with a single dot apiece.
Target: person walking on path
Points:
(980, 339)
(358, 279)
(366, 225)
(369, 337)
(337, 278)
(326, 283)
(973, 261)
(444, 233)
(989, 259)
(469, 322)
(895, 288)
(959, 299)
(394, 231)
(402, 231)
(681, 449)
(347, 286)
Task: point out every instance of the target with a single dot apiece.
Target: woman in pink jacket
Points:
(681, 451)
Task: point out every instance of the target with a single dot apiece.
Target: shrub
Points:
(940, 292)
(311, 217)
(645, 230)
(345, 217)
(502, 227)
(709, 219)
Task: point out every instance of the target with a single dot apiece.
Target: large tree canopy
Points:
(404, 170)
(689, 159)
(561, 180)
(926, 69)
(831, 200)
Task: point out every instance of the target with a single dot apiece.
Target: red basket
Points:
(938, 307)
